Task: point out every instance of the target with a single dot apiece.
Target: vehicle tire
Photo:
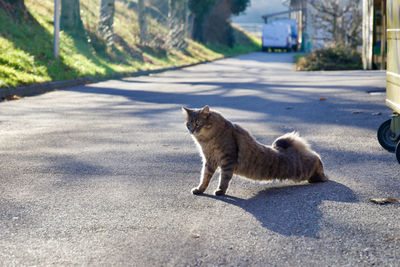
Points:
(398, 152)
(384, 137)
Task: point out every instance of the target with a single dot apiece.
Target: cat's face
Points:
(197, 120)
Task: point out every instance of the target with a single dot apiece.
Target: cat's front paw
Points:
(219, 192)
(197, 191)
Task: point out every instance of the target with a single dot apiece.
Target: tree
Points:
(177, 23)
(354, 27)
(212, 19)
(338, 21)
(70, 17)
(106, 21)
(238, 6)
(200, 9)
(217, 27)
(143, 34)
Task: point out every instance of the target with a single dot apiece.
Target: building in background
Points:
(302, 14)
(374, 34)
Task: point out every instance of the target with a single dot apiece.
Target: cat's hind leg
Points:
(206, 175)
(318, 174)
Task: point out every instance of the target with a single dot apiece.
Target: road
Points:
(101, 174)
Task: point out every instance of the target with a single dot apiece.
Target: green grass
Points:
(26, 52)
(245, 43)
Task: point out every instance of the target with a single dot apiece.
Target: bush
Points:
(331, 58)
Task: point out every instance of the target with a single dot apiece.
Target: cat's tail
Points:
(291, 140)
(315, 167)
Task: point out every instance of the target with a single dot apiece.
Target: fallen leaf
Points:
(194, 236)
(12, 97)
(384, 200)
(392, 239)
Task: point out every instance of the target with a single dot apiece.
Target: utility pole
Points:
(56, 42)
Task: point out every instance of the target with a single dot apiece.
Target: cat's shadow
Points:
(292, 209)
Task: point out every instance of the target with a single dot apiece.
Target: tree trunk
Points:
(176, 23)
(334, 29)
(188, 21)
(142, 22)
(16, 8)
(198, 25)
(70, 16)
(106, 21)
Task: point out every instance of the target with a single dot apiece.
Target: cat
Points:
(228, 146)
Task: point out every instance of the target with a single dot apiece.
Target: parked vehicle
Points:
(293, 31)
(280, 34)
(389, 131)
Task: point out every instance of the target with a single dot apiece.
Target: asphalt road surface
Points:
(101, 174)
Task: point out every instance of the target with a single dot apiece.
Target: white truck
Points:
(280, 34)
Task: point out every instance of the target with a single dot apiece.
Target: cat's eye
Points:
(197, 123)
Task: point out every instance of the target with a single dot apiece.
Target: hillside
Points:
(26, 52)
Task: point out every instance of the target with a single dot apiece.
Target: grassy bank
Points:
(26, 55)
(329, 58)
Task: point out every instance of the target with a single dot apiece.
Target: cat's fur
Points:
(230, 147)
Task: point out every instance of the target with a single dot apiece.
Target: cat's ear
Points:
(186, 110)
(205, 110)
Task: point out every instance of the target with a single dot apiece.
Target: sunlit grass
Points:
(26, 50)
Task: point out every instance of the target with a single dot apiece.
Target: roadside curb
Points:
(41, 88)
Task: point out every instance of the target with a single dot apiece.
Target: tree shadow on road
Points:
(292, 209)
(276, 101)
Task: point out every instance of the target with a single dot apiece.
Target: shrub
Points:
(331, 58)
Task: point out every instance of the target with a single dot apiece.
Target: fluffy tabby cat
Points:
(230, 147)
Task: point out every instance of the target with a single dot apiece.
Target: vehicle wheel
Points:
(385, 138)
(398, 152)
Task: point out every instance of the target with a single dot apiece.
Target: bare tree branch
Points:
(338, 21)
